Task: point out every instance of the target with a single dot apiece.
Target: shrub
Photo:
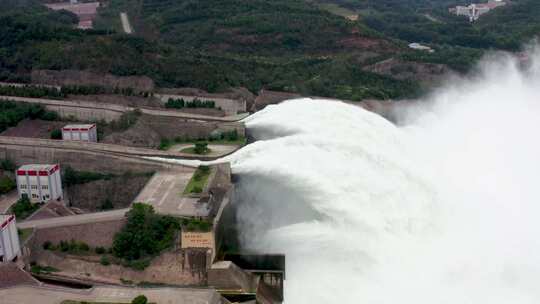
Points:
(175, 103)
(100, 250)
(82, 246)
(197, 189)
(105, 261)
(139, 264)
(56, 134)
(6, 184)
(232, 135)
(107, 205)
(64, 246)
(164, 144)
(47, 245)
(140, 300)
(204, 169)
(50, 116)
(201, 148)
(73, 246)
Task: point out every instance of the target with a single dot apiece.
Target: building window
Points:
(23, 187)
(45, 187)
(34, 187)
(34, 195)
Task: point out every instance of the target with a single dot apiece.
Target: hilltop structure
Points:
(475, 10)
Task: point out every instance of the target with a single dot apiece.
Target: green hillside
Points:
(429, 21)
(211, 44)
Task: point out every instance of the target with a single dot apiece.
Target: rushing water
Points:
(444, 209)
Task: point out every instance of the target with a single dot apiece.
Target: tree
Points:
(23, 208)
(8, 165)
(145, 233)
(140, 300)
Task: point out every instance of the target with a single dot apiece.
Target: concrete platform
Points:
(215, 150)
(165, 193)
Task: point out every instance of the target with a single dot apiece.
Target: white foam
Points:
(441, 211)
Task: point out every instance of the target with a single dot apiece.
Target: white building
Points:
(475, 10)
(80, 132)
(40, 183)
(420, 47)
(9, 238)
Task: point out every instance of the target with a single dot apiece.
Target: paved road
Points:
(6, 200)
(74, 219)
(109, 294)
(123, 109)
(100, 148)
(125, 23)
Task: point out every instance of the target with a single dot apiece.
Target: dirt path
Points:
(125, 23)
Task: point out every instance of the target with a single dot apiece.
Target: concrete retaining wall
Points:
(79, 160)
(229, 106)
(226, 275)
(93, 234)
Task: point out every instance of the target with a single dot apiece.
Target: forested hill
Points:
(261, 27)
(428, 21)
(210, 44)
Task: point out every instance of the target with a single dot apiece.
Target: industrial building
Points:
(9, 238)
(40, 183)
(80, 132)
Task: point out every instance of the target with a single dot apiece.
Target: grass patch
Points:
(198, 180)
(191, 150)
(24, 234)
(195, 225)
(38, 269)
(337, 10)
(23, 208)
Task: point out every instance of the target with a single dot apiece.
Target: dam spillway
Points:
(439, 210)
